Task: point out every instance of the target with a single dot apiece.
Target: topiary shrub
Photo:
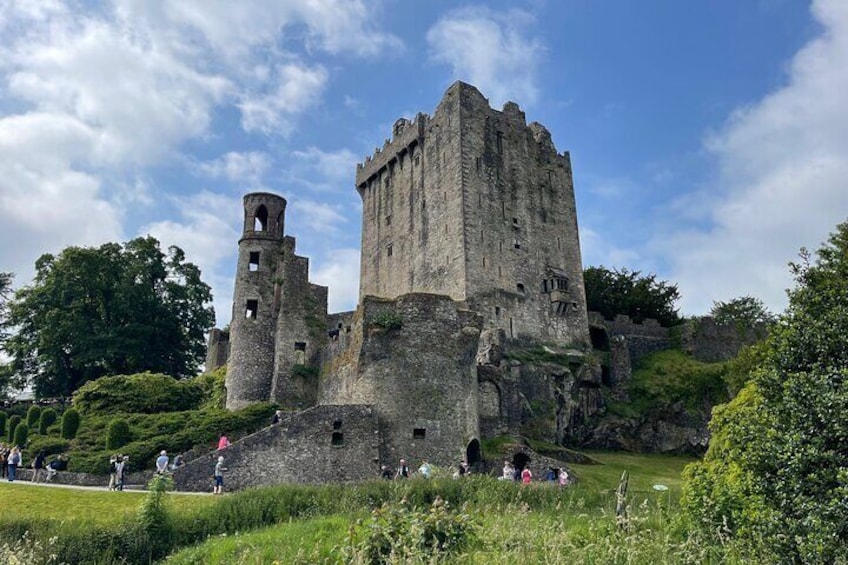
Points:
(145, 393)
(70, 423)
(3, 424)
(21, 434)
(48, 418)
(33, 414)
(13, 423)
(49, 445)
(118, 434)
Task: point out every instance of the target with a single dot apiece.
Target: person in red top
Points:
(526, 476)
(223, 442)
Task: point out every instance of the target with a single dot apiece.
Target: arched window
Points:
(260, 219)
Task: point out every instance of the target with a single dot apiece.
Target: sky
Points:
(709, 139)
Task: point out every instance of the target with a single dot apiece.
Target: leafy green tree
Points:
(744, 311)
(21, 435)
(613, 291)
(33, 414)
(70, 423)
(2, 424)
(13, 423)
(115, 309)
(48, 418)
(776, 471)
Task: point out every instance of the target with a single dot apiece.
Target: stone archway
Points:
(473, 454)
(520, 460)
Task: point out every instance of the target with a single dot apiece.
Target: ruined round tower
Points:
(250, 367)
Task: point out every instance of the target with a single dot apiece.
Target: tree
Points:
(115, 309)
(48, 418)
(14, 421)
(21, 435)
(776, 471)
(745, 311)
(613, 292)
(70, 423)
(33, 414)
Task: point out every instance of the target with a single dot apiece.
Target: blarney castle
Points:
(471, 320)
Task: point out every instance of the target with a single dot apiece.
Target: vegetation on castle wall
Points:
(387, 320)
(305, 372)
(146, 393)
(619, 291)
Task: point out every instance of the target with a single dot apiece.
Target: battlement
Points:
(405, 133)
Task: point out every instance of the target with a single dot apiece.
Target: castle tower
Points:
(253, 327)
(476, 204)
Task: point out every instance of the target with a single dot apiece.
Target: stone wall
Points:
(320, 445)
(217, 349)
(710, 342)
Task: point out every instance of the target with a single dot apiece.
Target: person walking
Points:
(424, 470)
(526, 476)
(37, 466)
(13, 461)
(402, 470)
(113, 467)
(120, 471)
(219, 476)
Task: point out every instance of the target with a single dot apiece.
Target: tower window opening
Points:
(516, 244)
(484, 262)
(337, 425)
(253, 261)
(388, 220)
(479, 164)
(499, 270)
(337, 439)
(562, 284)
(497, 311)
(520, 288)
(251, 310)
(417, 160)
(260, 219)
(300, 346)
(389, 250)
(419, 433)
(500, 143)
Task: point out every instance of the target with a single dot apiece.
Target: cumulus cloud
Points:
(294, 89)
(323, 170)
(318, 216)
(340, 272)
(492, 50)
(246, 167)
(782, 164)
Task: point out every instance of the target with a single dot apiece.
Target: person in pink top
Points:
(223, 442)
(526, 476)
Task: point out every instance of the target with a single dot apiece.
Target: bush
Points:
(48, 418)
(118, 434)
(155, 520)
(70, 423)
(21, 435)
(33, 414)
(49, 445)
(145, 393)
(213, 387)
(13, 423)
(3, 424)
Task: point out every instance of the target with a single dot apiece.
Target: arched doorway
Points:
(472, 452)
(520, 460)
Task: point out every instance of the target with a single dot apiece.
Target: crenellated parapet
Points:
(405, 134)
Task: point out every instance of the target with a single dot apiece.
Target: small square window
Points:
(300, 346)
(338, 439)
(337, 425)
(419, 433)
(520, 288)
(251, 310)
(253, 261)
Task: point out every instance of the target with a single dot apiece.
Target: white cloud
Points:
(340, 272)
(324, 170)
(295, 89)
(318, 216)
(248, 167)
(490, 50)
(782, 163)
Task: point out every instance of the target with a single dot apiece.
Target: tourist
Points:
(37, 466)
(219, 476)
(4, 452)
(223, 442)
(424, 470)
(551, 475)
(275, 419)
(162, 462)
(58, 464)
(386, 473)
(508, 472)
(14, 460)
(402, 470)
(563, 477)
(113, 467)
(120, 471)
(526, 476)
(177, 463)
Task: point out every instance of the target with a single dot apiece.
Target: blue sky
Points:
(709, 139)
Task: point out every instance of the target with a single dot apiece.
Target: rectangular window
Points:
(497, 311)
(389, 250)
(419, 433)
(300, 346)
(479, 164)
(500, 143)
(337, 425)
(253, 261)
(417, 160)
(252, 309)
(520, 288)
(338, 439)
(388, 220)
(484, 262)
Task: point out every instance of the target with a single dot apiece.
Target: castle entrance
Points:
(472, 452)
(520, 460)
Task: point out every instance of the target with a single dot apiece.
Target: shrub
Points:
(154, 519)
(33, 414)
(70, 423)
(48, 418)
(388, 321)
(213, 387)
(3, 424)
(146, 393)
(13, 423)
(49, 445)
(118, 434)
(21, 435)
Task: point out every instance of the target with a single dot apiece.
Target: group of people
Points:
(12, 459)
(403, 470)
(117, 469)
(524, 475)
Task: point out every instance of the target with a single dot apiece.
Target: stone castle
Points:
(470, 250)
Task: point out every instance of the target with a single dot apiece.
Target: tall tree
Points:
(743, 311)
(613, 291)
(776, 472)
(115, 309)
